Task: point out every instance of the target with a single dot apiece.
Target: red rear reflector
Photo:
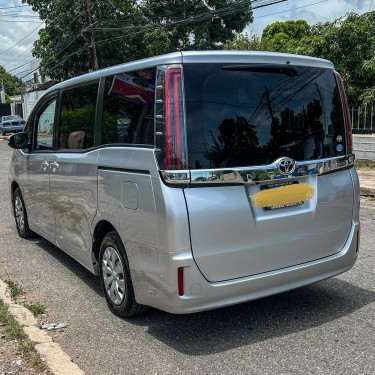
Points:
(181, 281)
(357, 247)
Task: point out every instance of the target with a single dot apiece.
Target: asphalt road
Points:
(325, 328)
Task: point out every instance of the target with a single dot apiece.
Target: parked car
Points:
(11, 124)
(234, 179)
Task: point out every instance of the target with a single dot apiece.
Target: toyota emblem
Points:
(286, 166)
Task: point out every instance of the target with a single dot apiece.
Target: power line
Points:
(288, 10)
(222, 12)
(17, 6)
(23, 21)
(22, 39)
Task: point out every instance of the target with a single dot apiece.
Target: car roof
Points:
(201, 57)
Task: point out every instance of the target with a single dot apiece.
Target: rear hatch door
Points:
(248, 117)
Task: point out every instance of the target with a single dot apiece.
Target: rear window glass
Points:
(245, 115)
(128, 108)
(78, 117)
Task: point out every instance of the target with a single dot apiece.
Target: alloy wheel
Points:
(113, 275)
(19, 212)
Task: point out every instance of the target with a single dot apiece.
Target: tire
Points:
(115, 278)
(20, 215)
(3, 133)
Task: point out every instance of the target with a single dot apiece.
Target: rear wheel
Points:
(3, 133)
(115, 278)
(20, 215)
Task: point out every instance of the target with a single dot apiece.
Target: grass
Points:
(15, 288)
(25, 347)
(364, 165)
(16, 291)
(13, 329)
(35, 308)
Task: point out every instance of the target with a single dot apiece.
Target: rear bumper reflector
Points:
(181, 281)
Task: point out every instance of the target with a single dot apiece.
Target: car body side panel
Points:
(27, 171)
(73, 187)
(125, 193)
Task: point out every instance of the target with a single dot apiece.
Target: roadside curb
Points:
(367, 192)
(56, 359)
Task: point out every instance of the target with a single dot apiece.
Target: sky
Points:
(16, 43)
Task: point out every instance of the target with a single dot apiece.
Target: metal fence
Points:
(362, 119)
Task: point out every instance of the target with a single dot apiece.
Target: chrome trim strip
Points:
(256, 174)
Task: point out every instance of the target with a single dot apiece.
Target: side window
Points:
(128, 107)
(45, 125)
(77, 121)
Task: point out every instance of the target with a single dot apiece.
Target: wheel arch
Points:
(101, 229)
(13, 186)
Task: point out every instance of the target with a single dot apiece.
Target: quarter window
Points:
(128, 108)
(78, 117)
(44, 134)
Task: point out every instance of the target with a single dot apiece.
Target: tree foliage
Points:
(126, 30)
(12, 84)
(349, 42)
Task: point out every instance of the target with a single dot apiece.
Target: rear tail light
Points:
(23, 122)
(169, 118)
(348, 126)
(6, 123)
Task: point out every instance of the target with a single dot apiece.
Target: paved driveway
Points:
(325, 328)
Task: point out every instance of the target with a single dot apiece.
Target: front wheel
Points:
(115, 278)
(20, 215)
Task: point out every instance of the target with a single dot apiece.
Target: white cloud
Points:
(312, 11)
(12, 33)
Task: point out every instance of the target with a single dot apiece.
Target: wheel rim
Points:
(113, 275)
(18, 210)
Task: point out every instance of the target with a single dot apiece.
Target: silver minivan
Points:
(193, 180)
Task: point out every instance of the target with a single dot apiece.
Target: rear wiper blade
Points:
(288, 70)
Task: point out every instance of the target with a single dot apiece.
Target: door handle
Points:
(45, 165)
(54, 166)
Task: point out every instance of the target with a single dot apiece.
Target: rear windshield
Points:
(246, 115)
(8, 118)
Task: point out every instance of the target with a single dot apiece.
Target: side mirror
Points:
(18, 140)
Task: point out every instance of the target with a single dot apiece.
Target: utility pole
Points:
(90, 36)
(2, 93)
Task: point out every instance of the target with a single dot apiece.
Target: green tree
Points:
(349, 42)
(12, 84)
(126, 30)
(285, 36)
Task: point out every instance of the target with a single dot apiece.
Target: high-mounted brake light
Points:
(348, 126)
(169, 118)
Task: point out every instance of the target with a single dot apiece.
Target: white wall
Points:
(364, 146)
(29, 101)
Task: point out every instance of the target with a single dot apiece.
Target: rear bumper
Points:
(154, 275)
(11, 129)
